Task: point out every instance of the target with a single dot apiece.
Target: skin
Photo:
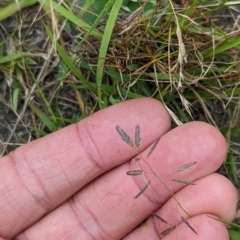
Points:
(72, 184)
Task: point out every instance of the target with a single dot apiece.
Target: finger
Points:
(206, 228)
(106, 208)
(212, 195)
(37, 177)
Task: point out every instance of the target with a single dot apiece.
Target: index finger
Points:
(39, 176)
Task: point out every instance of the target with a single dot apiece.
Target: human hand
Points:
(72, 184)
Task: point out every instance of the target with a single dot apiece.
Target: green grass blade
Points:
(69, 62)
(104, 45)
(86, 5)
(9, 58)
(70, 16)
(232, 169)
(97, 21)
(223, 47)
(233, 226)
(47, 122)
(234, 235)
(46, 102)
(15, 98)
(15, 6)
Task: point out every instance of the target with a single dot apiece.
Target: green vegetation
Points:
(60, 62)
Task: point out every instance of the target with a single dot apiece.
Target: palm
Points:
(73, 184)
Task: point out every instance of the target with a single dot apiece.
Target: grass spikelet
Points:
(186, 166)
(183, 181)
(137, 137)
(188, 224)
(135, 172)
(124, 136)
(167, 231)
(153, 147)
(143, 190)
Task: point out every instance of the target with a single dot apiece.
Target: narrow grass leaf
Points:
(167, 231)
(184, 182)
(188, 224)
(124, 136)
(13, 6)
(104, 45)
(159, 218)
(137, 137)
(230, 44)
(233, 168)
(15, 98)
(43, 97)
(8, 58)
(69, 62)
(186, 166)
(234, 235)
(47, 122)
(135, 172)
(97, 21)
(143, 190)
(71, 17)
(230, 224)
(153, 147)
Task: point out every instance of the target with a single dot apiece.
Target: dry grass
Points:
(56, 69)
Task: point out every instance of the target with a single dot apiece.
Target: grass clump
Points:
(60, 61)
